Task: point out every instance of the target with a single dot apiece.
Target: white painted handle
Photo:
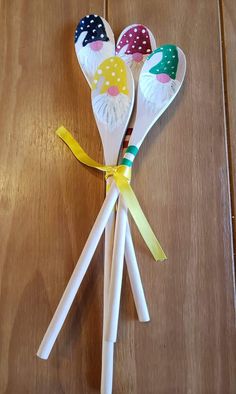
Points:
(107, 347)
(78, 274)
(116, 272)
(107, 367)
(109, 238)
(135, 279)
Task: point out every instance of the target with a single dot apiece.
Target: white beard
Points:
(111, 110)
(134, 66)
(90, 59)
(156, 93)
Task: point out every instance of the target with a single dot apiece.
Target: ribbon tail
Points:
(78, 151)
(140, 219)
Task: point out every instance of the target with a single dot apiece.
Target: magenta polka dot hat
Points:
(138, 40)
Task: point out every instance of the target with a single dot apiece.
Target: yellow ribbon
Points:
(121, 175)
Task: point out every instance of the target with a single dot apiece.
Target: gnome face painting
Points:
(94, 42)
(110, 98)
(159, 78)
(134, 45)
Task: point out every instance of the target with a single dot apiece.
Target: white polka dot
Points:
(124, 88)
(157, 69)
(135, 42)
(165, 68)
(118, 47)
(121, 42)
(143, 31)
(173, 56)
(81, 28)
(88, 25)
(139, 47)
(107, 67)
(94, 30)
(148, 50)
(113, 74)
(95, 16)
(107, 83)
(130, 35)
(168, 61)
(100, 25)
(82, 21)
(101, 35)
(127, 41)
(137, 38)
(146, 36)
(111, 60)
(135, 30)
(99, 71)
(169, 49)
(118, 79)
(133, 46)
(93, 37)
(172, 66)
(144, 42)
(92, 21)
(87, 16)
(121, 70)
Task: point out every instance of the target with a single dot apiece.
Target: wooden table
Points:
(184, 178)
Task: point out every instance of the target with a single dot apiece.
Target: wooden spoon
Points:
(112, 106)
(160, 80)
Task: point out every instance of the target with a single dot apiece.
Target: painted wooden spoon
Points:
(112, 104)
(134, 44)
(160, 80)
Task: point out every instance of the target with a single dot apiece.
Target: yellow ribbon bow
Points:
(121, 175)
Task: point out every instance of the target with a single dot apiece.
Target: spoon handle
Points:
(116, 272)
(78, 274)
(137, 290)
(135, 278)
(121, 240)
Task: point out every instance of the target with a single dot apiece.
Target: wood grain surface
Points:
(49, 203)
(228, 21)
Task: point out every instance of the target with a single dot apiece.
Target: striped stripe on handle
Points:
(129, 155)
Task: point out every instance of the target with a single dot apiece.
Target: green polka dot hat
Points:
(169, 62)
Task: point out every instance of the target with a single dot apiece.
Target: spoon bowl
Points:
(160, 80)
(112, 101)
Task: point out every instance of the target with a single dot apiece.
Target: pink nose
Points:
(163, 78)
(113, 91)
(96, 45)
(137, 57)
